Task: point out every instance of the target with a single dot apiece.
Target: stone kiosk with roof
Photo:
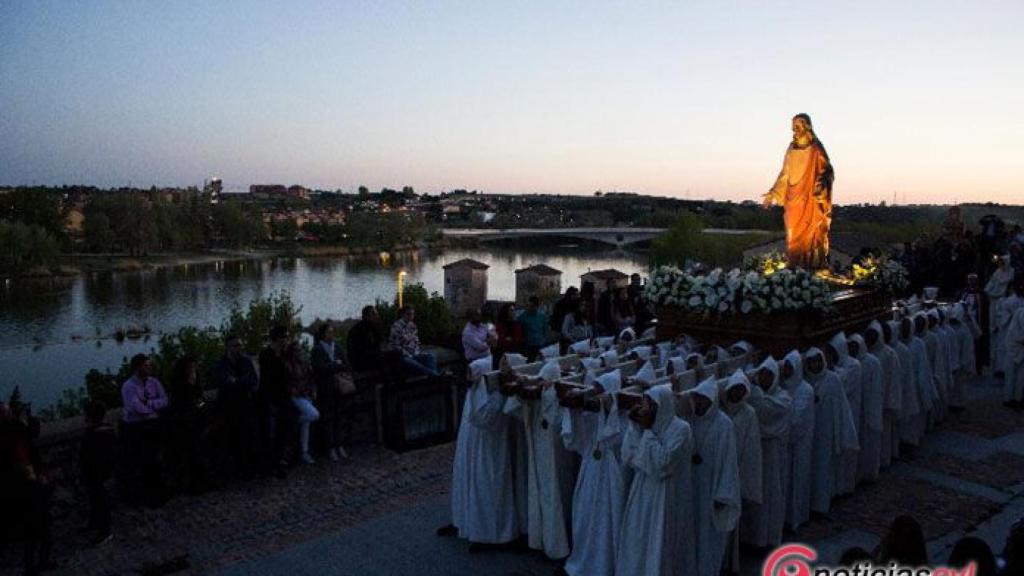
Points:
(539, 280)
(465, 286)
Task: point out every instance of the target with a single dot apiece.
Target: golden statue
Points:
(804, 189)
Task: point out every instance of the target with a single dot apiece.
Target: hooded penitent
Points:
(870, 457)
(646, 373)
(657, 530)
(748, 436)
(801, 443)
(600, 494)
(483, 502)
(716, 490)
(774, 406)
(1013, 387)
(849, 372)
(549, 470)
(923, 379)
(892, 403)
(834, 432)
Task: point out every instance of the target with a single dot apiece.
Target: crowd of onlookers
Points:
(260, 416)
(904, 544)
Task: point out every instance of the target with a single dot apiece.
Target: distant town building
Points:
(213, 189)
(609, 278)
(539, 280)
(279, 191)
(465, 286)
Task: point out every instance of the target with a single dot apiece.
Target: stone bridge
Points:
(612, 236)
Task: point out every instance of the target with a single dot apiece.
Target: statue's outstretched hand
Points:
(766, 202)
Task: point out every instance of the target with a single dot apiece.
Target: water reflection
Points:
(50, 312)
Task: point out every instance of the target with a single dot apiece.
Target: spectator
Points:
(303, 393)
(509, 331)
(236, 388)
(143, 398)
(275, 406)
(333, 383)
(186, 411)
(576, 325)
(96, 464)
(25, 487)
(904, 544)
(972, 549)
(476, 342)
(365, 341)
(1013, 552)
(534, 323)
(563, 306)
(975, 302)
(623, 314)
(405, 340)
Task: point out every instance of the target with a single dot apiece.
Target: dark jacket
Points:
(96, 460)
(364, 346)
(325, 367)
(235, 379)
(273, 387)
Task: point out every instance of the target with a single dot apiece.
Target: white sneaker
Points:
(308, 459)
(333, 454)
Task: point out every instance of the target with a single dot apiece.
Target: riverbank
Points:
(70, 265)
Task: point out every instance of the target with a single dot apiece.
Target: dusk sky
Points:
(925, 99)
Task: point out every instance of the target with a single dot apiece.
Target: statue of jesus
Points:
(804, 189)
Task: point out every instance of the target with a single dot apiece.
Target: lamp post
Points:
(401, 285)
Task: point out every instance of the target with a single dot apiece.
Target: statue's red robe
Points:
(804, 189)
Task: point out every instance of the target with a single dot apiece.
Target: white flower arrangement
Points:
(883, 273)
(720, 293)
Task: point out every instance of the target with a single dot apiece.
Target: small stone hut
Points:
(465, 286)
(539, 280)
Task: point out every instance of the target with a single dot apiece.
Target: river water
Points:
(53, 331)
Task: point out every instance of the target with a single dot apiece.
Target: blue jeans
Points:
(422, 364)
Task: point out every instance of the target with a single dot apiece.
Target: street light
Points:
(401, 285)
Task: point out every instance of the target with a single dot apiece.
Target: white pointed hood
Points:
(610, 381)
(665, 400)
(512, 360)
(550, 372)
(862, 346)
(838, 343)
(646, 373)
(610, 357)
(811, 376)
(772, 366)
(708, 389)
(581, 347)
(797, 362)
(676, 365)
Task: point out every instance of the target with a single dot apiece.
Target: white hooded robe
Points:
(849, 371)
(835, 434)
(483, 503)
(774, 408)
(716, 483)
(657, 537)
(869, 459)
(801, 444)
(600, 495)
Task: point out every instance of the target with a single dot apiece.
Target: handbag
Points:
(344, 384)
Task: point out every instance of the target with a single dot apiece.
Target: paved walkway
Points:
(377, 514)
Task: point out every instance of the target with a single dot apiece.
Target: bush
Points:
(253, 323)
(432, 317)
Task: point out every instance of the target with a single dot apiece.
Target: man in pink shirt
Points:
(143, 397)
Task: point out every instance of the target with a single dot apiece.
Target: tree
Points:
(99, 235)
(364, 191)
(42, 207)
(24, 246)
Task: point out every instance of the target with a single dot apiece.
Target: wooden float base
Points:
(780, 333)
